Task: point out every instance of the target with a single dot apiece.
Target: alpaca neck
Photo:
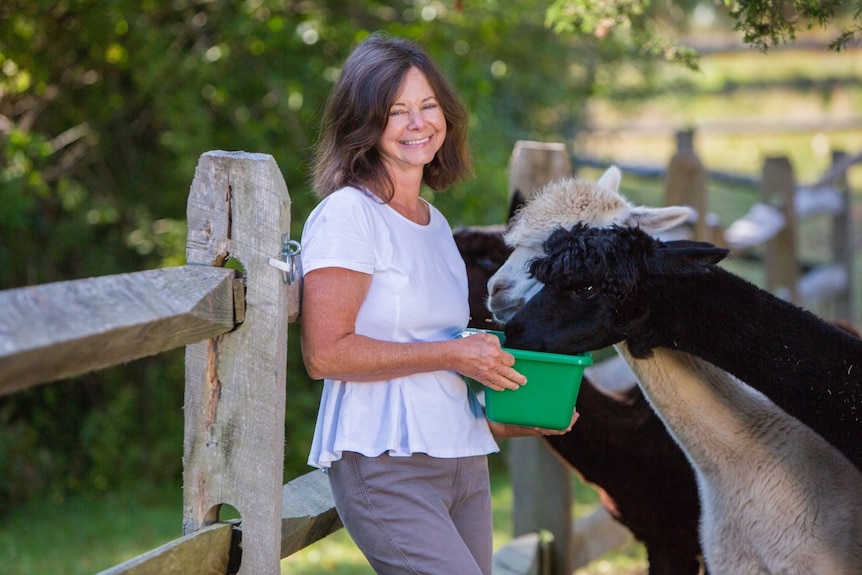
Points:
(708, 412)
(775, 496)
(606, 425)
(807, 367)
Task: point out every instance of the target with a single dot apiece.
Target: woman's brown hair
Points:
(357, 111)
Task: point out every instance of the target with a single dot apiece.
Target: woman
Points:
(401, 434)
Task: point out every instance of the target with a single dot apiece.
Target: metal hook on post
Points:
(287, 261)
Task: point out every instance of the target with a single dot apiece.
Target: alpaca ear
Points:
(653, 220)
(610, 180)
(685, 257)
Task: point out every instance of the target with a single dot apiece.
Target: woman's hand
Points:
(507, 430)
(481, 358)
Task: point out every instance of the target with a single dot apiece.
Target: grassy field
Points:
(84, 534)
(743, 107)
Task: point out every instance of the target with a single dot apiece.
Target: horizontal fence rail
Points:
(62, 329)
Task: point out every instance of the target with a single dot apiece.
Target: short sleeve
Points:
(340, 232)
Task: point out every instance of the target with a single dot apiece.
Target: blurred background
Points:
(106, 106)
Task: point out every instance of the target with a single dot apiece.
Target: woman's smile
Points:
(416, 127)
(416, 142)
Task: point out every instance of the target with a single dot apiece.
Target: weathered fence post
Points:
(778, 189)
(685, 184)
(541, 485)
(842, 241)
(239, 208)
(534, 164)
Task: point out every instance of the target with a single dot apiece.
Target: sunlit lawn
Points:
(85, 534)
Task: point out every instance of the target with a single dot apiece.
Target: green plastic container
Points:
(548, 399)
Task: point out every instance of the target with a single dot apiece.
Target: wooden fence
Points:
(234, 327)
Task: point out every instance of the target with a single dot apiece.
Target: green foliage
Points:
(767, 24)
(94, 432)
(635, 23)
(764, 23)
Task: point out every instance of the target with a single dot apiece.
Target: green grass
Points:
(84, 534)
(87, 533)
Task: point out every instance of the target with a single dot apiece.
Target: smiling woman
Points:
(385, 299)
(414, 133)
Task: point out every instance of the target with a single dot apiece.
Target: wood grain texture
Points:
(205, 552)
(777, 188)
(238, 208)
(308, 512)
(53, 331)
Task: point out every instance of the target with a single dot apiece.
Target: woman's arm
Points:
(331, 348)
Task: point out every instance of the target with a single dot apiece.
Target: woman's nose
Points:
(417, 120)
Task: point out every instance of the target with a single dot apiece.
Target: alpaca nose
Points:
(497, 287)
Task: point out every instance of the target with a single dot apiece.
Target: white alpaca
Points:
(563, 203)
(776, 498)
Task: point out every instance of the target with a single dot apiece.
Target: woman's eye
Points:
(585, 292)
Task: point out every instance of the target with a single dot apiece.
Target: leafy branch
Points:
(764, 24)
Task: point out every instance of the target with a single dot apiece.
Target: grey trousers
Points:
(418, 514)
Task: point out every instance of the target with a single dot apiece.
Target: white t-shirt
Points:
(418, 293)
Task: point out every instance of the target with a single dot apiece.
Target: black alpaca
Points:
(654, 294)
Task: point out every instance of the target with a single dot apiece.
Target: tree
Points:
(764, 23)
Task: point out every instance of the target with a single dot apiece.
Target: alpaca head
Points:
(597, 282)
(564, 203)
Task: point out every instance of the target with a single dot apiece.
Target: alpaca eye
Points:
(489, 265)
(585, 291)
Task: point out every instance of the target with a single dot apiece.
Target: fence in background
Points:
(773, 221)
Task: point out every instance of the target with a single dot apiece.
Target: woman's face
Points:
(416, 127)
